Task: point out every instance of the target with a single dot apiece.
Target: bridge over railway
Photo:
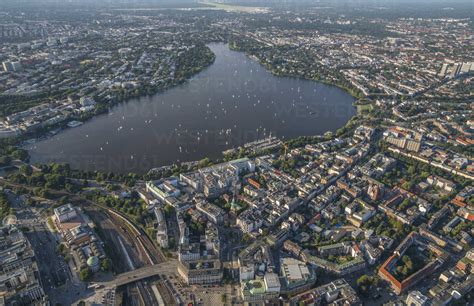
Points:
(125, 278)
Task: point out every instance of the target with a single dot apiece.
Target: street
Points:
(59, 282)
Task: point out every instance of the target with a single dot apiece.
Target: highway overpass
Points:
(166, 268)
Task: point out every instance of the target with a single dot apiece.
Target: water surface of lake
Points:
(233, 102)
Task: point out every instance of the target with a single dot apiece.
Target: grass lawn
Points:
(364, 108)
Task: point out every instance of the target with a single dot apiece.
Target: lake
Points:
(232, 102)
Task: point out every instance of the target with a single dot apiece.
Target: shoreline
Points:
(43, 134)
(63, 127)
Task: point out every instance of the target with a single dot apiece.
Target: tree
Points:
(407, 185)
(100, 177)
(61, 249)
(26, 170)
(85, 274)
(105, 264)
(364, 279)
(63, 169)
(5, 160)
(51, 224)
(168, 209)
(365, 283)
(246, 238)
(405, 271)
(406, 259)
(151, 232)
(4, 205)
(55, 181)
(20, 154)
(204, 162)
(42, 192)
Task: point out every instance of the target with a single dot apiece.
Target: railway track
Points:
(147, 251)
(153, 255)
(111, 232)
(146, 294)
(131, 238)
(166, 294)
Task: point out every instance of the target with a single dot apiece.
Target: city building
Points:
(337, 292)
(296, 275)
(415, 298)
(19, 274)
(200, 272)
(65, 213)
(387, 269)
